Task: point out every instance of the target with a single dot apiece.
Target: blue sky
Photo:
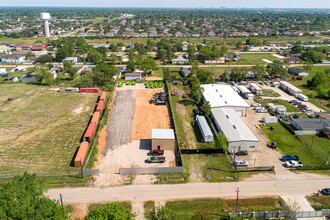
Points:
(173, 3)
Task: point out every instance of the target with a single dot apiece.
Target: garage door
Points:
(240, 113)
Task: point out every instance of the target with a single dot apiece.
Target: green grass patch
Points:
(126, 204)
(256, 58)
(319, 202)
(148, 208)
(320, 145)
(213, 208)
(270, 93)
(287, 143)
(41, 128)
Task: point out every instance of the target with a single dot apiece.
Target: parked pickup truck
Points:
(155, 159)
(156, 152)
(293, 164)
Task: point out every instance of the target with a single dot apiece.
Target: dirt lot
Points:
(148, 116)
(128, 135)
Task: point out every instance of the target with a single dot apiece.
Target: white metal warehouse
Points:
(291, 89)
(204, 128)
(239, 136)
(224, 96)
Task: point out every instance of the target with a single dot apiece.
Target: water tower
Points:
(44, 16)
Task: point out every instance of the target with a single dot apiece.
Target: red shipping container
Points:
(99, 107)
(96, 117)
(103, 96)
(81, 154)
(90, 131)
(89, 90)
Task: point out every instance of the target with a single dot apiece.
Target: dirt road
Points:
(187, 191)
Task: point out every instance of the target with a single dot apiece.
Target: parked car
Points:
(155, 159)
(302, 106)
(156, 152)
(325, 191)
(293, 164)
(262, 110)
(293, 101)
(290, 157)
(241, 153)
(273, 145)
(241, 163)
(298, 103)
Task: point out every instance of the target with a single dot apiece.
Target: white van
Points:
(302, 97)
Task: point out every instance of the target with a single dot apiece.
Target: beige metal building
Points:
(163, 139)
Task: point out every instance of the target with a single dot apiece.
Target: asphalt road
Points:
(188, 191)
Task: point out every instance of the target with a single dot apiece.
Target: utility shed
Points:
(163, 139)
(239, 136)
(291, 89)
(224, 96)
(204, 128)
(245, 92)
(133, 76)
(255, 89)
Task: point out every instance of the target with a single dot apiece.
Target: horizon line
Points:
(161, 7)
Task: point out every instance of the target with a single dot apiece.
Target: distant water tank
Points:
(44, 16)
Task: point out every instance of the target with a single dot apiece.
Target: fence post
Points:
(279, 214)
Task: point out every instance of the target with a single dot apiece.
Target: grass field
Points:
(302, 84)
(256, 58)
(213, 208)
(287, 143)
(41, 128)
(319, 202)
(320, 145)
(289, 107)
(270, 93)
(126, 204)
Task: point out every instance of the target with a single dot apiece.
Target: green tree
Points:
(29, 55)
(161, 54)
(61, 54)
(314, 56)
(94, 56)
(258, 71)
(221, 141)
(45, 58)
(308, 65)
(167, 73)
(131, 66)
(297, 49)
(206, 108)
(147, 65)
(110, 211)
(276, 69)
(23, 198)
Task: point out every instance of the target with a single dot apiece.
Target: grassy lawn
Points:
(270, 93)
(125, 204)
(289, 107)
(256, 58)
(287, 143)
(212, 208)
(302, 84)
(41, 128)
(321, 145)
(319, 202)
(148, 208)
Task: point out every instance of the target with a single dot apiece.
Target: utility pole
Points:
(229, 56)
(237, 199)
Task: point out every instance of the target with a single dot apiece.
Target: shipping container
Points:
(68, 90)
(81, 154)
(90, 90)
(99, 107)
(96, 117)
(103, 96)
(89, 132)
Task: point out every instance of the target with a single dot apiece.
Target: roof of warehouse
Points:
(163, 134)
(292, 87)
(203, 124)
(232, 125)
(222, 96)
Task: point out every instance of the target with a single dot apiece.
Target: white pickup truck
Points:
(293, 164)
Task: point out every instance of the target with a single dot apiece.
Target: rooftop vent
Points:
(217, 91)
(220, 95)
(234, 126)
(227, 116)
(225, 102)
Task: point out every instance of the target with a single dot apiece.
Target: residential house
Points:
(236, 55)
(297, 72)
(309, 126)
(133, 76)
(185, 71)
(29, 78)
(218, 61)
(72, 60)
(38, 47)
(15, 58)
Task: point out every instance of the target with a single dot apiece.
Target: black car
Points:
(325, 191)
(242, 153)
(290, 157)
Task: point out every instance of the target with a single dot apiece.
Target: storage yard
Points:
(129, 133)
(40, 129)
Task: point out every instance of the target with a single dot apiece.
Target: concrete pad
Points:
(298, 203)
